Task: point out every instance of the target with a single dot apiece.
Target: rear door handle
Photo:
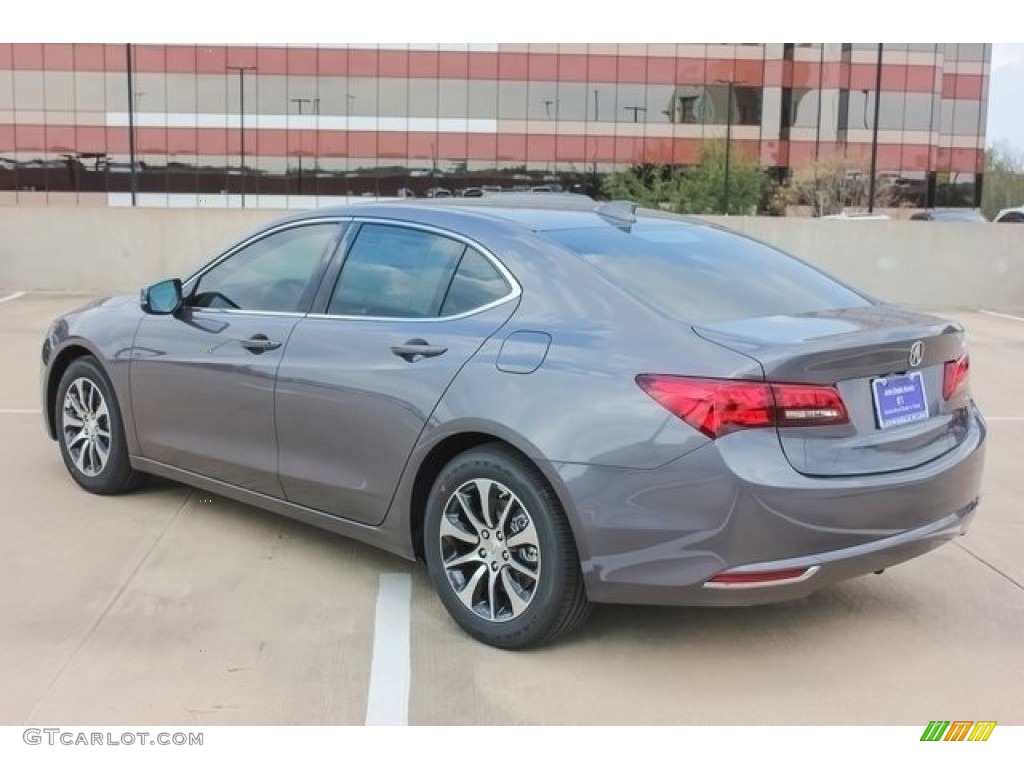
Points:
(259, 344)
(415, 349)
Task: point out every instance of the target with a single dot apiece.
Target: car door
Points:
(358, 381)
(203, 379)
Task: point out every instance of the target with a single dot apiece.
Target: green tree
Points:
(703, 189)
(1003, 186)
(649, 186)
(700, 189)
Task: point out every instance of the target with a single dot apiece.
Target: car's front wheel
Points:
(90, 431)
(500, 551)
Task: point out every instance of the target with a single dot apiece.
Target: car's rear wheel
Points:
(90, 431)
(500, 551)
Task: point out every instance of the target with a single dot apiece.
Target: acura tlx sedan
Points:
(552, 404)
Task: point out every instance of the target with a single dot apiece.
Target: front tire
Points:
(90, 431)
(500, 552)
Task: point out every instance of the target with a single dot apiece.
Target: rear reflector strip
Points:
(812, 414)
(751, 579)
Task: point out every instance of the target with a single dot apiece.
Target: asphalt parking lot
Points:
(174, 606)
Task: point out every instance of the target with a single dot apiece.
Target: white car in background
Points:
(1010, 215)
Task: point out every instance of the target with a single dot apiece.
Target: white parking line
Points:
(390, 671)
(12, 297)
(6, 411)
(1002, 315)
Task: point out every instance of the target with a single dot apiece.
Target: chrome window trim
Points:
(515, 290)
(260, 312)
(390, 319)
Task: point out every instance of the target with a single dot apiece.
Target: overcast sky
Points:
(1006, 96)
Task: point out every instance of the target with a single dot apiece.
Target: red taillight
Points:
(719, 406)
(713, 406)
(955, 376)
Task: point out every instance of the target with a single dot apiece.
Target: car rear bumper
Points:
(821, 570)
(659, 536)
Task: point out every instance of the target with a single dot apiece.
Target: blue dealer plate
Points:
(899, 399)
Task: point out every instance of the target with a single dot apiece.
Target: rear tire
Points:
(500, 552)
(90, 431)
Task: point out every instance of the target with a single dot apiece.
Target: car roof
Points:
(958, 214)
(857, 216)
(531, 211)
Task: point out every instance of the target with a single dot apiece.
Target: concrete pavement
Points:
(174, 606)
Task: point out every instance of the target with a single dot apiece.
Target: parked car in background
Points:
(552, 403)
(949, 214)
(845, 216)
(1010, 215)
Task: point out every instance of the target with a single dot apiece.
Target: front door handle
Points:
(415, 349)
(259, 344)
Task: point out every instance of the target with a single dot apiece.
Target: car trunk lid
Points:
(888, 364)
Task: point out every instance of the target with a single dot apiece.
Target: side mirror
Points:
(163, 298)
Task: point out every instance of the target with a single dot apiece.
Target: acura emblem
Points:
(916, 354)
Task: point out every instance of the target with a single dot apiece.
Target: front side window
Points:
(408, 273)
(277, 273)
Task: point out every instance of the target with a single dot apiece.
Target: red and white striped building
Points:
(200, 125)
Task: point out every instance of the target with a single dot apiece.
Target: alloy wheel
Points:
(85, 424)
(489, 550)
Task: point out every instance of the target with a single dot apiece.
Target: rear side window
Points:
(402, 272)
(477, 282)
(395, 272)
(698, 274)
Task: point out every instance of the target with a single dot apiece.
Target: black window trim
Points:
(515, 290)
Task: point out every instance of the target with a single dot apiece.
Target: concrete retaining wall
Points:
(924, 264)
(113, 250)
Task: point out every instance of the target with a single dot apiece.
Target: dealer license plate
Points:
(900, 399)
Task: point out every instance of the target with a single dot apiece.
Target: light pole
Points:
(241, 121)
(133, 179)
(728, 139)
(593, 167)
(874, 132)
(636, 112)
(316, 111)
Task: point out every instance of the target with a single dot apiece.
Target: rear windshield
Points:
(700, 275)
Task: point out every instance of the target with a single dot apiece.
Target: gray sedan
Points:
(551, 405)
